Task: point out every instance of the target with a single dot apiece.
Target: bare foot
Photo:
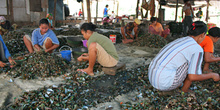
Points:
(87, 70)
(125, 41)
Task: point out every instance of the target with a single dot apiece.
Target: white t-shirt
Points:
(163, 68)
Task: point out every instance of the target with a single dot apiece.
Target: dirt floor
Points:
(132, 56)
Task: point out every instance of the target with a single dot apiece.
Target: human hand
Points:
(12, 62)
(80, 58)
(85, 54)
(215, 77)
(2, 64)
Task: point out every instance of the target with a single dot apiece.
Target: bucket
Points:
(66, 54)
(112, 38)
(84, 43)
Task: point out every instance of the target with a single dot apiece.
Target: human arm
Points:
(194, 77)
(52, 48)
(210, 58)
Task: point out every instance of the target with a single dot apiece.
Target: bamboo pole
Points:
(177, 3)
(137, 8)
(54, 12)
(207, 11)
(88, 11)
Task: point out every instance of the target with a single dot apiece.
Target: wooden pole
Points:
(11, 11)
(7, 9)
(177, 3)
(207, 11)
(54, 12)
(88, 11)
(83, 10)
(96, 12)
(137, 8)
(117, 6)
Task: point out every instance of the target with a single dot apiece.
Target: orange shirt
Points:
(207, 44)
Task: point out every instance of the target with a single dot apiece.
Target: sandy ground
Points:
(132, 56)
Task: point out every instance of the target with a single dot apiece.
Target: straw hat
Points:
(137, 21)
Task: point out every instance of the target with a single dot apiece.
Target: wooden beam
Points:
(117, 6)
(83, 10)
(54, 12)
(7, 9)
(177, 3)
(96, 12)
(137, 8)
(88, 11)
(207, 11)
(11, 11)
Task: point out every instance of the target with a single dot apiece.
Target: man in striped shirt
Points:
(180, 61)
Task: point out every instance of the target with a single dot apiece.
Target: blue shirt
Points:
(37, 38)
(105, 12)
(7, 54)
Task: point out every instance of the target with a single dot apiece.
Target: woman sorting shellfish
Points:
(179, 62)
(4, 54)
(42, 38)
(157, 29)
(100, 48)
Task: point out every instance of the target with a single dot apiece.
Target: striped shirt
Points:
(164, 67)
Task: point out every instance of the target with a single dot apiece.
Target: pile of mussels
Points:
(150, 40)
(14, 42)
(83, 92)
(39, 65)
(70, 31)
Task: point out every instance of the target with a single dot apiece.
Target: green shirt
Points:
(105, 42)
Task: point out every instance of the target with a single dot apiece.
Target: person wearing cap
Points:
(157, 29)
(208, 47)
(5, 25)
(130, 30)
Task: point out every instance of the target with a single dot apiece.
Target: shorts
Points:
(104, 58)
(43, 46)
(132, 33)
(181, 74)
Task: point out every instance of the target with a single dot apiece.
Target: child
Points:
(50, 20)
(42, 38)
(208, 47)
(180, 62)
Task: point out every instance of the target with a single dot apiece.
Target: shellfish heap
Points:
(83, 92)
(150, 40)
(40, 65)
(14, 42)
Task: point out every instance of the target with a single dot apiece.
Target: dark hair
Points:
(197, 28)
(185, 1)
(214, 32)
(88, 26)
(152, 19)
(106, 5)
(44, 21)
